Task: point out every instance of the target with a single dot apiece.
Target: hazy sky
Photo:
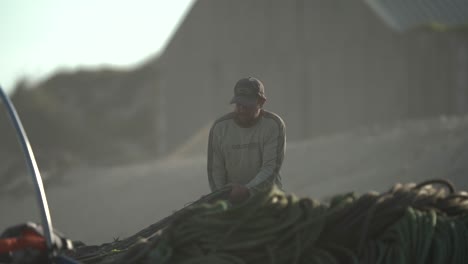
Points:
(40, 36)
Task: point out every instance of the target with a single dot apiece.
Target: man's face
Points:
(247, 114)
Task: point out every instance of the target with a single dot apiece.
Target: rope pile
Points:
(424, 223)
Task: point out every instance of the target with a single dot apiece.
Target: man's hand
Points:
(239, 193)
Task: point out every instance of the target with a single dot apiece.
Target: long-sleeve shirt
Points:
(251, 156)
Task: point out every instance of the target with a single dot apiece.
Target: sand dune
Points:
(95, 205)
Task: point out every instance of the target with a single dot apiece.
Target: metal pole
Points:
(32, 167)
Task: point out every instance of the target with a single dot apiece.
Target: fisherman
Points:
(246, 147)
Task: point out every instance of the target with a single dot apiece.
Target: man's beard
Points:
(245, 120)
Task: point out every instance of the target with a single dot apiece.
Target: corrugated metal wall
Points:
(326, 66)
(403, 14)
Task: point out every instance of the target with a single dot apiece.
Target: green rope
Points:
(424, 223)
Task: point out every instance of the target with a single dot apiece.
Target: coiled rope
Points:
(423, 223)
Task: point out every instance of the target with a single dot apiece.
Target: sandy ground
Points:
(96, 205)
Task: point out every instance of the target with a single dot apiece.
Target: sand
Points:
(97, 205)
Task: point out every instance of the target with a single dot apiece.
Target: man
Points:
(246, 147)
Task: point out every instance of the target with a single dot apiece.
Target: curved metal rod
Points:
(32, 167)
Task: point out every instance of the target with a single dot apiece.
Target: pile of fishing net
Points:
(410, 223)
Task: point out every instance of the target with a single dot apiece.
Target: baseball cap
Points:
(247, 90)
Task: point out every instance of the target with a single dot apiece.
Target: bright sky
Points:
(40, 36)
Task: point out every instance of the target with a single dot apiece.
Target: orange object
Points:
(28, 239)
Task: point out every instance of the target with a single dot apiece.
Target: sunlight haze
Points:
(40, 37)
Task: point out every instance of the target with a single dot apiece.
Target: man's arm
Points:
(273, 155)
(215, 165)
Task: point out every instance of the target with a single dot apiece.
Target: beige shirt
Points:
(249, 156)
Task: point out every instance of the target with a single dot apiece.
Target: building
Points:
(326, 65)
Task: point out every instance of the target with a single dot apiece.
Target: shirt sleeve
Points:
(215, 165)
(273, 155)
